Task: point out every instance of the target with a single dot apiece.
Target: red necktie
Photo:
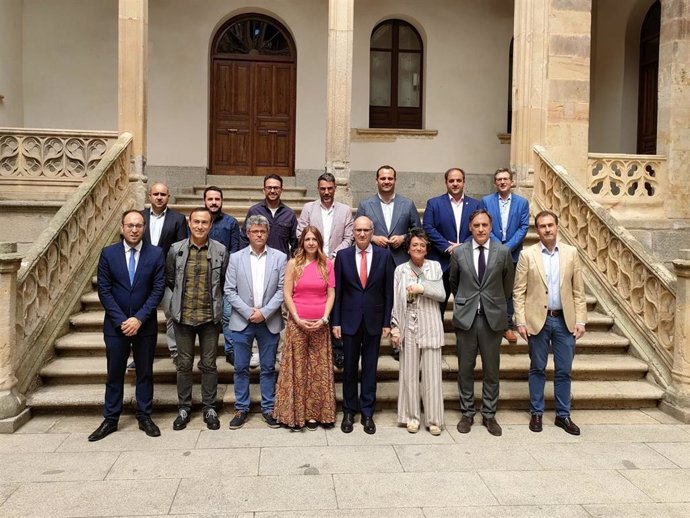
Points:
(363, 268)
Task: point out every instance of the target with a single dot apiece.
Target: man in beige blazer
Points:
(550, 310)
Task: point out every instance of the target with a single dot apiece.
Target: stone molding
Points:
(641, 288)
(61, 262)
(390, 135)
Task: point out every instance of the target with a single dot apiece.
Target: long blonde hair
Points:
(301, 254)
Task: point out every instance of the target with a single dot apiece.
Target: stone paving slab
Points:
(452, 458)
(662, 485)
(260, 437)
(384, 436)
(35, 442)
(186, 464)
(679, 453)
(506, 511)
(639, 510)
(516, 434)
(562, 487)
(348, 513)
(411, 490)
(586, 456)
(242, 494)
(328, 460)
(132, 441)
(635, 433)
(101, 498)
(43, 467)
(5, 491)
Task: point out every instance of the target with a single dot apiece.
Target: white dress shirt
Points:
(358, 258)
(156, 223)
(387, 209)
(258, 267)
(137, 250)
(504, 208)
(457, 214)
(552, 269)
(475, 259)
(327, 219)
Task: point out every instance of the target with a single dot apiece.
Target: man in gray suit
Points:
(393, 215)
(254, 288)
(481, 279)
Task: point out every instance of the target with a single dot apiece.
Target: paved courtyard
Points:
(626, 463)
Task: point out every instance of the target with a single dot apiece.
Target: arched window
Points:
(395, 76)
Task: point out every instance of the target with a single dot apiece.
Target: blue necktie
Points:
(132, 266)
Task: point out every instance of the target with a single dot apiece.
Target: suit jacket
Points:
(404, 218)
(341, 230)
(518, 221)
(439, 224)
(240, 293)
(353, 303)
(492, 292)
(122, 300)
(174, 229)
(175, 271)
(530, 294)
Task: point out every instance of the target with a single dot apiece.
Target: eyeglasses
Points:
(363, 230)
(257, 232)
(272, 188)
(132, 226)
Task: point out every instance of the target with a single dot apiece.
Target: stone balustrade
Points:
(631, 185)
(639, 288)
(62, 260)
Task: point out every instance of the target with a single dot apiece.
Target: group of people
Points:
(338, 284)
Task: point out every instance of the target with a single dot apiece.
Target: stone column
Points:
(677, 399)
(13, 411)
(673, 119)
(132, 70)
(339, 95)
(551, 84)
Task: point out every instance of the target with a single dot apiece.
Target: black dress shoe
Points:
(493, 426)
(106, 428)
(535, 423)
(567, 424)
(149, 427)
(465, 424)
(369, 425)
(395, 353)
(182, 419)
(338, 359)
(348, 422)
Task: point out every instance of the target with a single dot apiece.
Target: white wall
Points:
(180, 34)
(70, 64)
(12, 107)
(466, 46)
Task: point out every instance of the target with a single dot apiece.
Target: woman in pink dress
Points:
(305, 393)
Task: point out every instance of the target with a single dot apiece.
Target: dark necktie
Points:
(481, 264)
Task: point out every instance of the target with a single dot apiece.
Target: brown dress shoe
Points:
(510, 336)
(492, 425)
(535, 423)
(567, 424)
(465, 424)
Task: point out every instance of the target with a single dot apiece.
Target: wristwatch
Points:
(325, 320)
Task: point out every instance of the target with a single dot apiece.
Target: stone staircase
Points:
(605, 373)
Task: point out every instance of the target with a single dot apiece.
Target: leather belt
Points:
(554, 312)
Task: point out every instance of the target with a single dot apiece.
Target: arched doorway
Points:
(649, 81)
(253, 92)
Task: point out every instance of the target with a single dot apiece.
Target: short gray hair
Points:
(257, 219)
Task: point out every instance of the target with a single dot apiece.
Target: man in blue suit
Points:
(510, 214)
(131, 280)
(361, 315)
(446, 222)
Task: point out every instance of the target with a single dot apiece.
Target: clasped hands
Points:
(385, 242)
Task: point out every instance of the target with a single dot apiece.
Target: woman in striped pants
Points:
(417, 329)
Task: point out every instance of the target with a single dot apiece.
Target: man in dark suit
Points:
(164, 227)
(481, 277)
(510, 214)
(446, 220)
(361, 315)
(131, 280)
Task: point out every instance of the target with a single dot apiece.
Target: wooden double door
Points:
(252, 117)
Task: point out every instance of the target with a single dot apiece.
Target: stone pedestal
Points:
(132, 83)
(339, 95)
(677, 399)
(673, 120)
(551, 84)
(12, 403)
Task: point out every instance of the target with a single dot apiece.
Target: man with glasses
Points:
(510, 214)
(361, 315)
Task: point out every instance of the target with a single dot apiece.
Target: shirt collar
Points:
(544, 249)
(327, 209)
(507, 200)
(137, 247)
(476, 245)
(386, 202)
(205, 245)
(460, 202)
(252, 252)
(368, 249)
(162, 214)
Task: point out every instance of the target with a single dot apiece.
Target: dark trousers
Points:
(366, 346)
(117, 350)
(446, 287)
(208, 342)
(479, 337)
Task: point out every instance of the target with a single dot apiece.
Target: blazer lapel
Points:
(267, 272)
(378, 213)
(491, 260)
(539, 260)
(246, 259)
(375, 259)
(397, 209)
(449, 214)
(469, 263)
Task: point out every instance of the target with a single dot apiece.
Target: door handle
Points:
(272, 131)
(232, 130)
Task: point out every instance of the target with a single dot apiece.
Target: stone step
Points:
(91, 343)
(92, 369)
(246, 198)
(514, 394)
(239, 191)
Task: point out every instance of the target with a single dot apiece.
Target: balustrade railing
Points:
(642, 287)
(61, 262)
